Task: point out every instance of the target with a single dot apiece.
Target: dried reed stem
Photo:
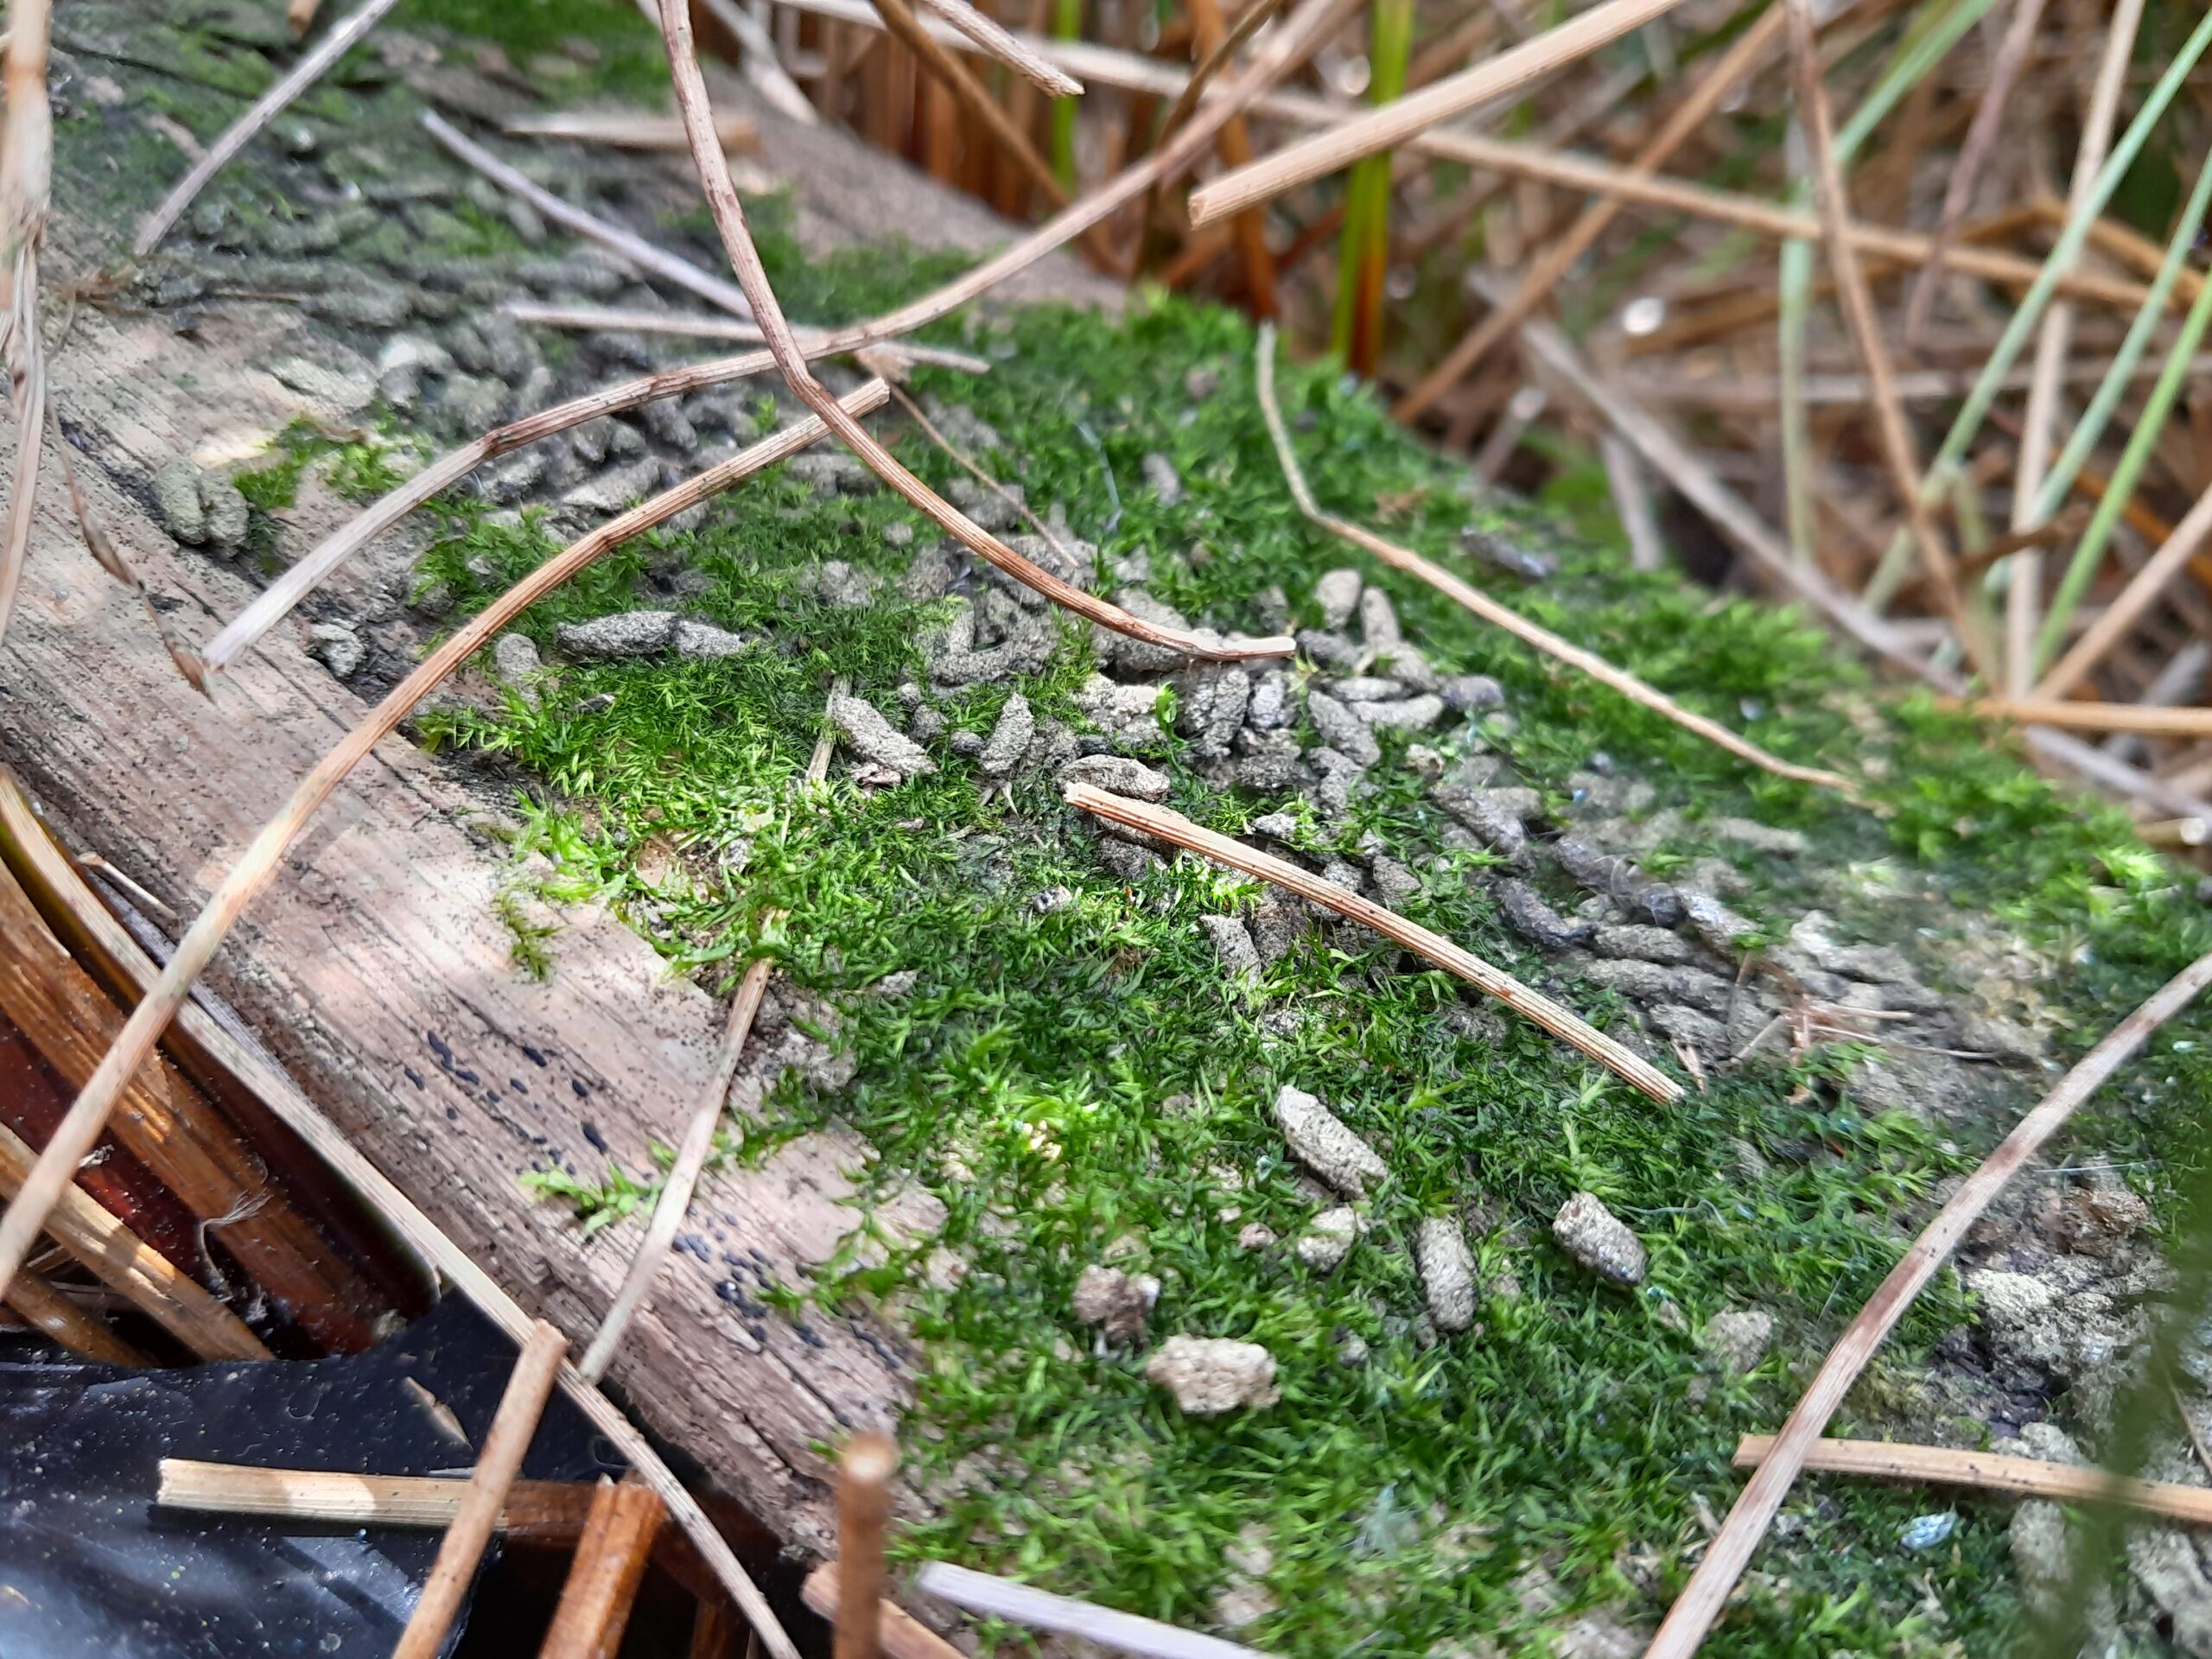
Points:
(2144, 720)
(700, 326)
(87, 1116)
(2024, 591)
(26, 183)
(1730, 1551)
(1502, 616)
(1569, 1027)
(2143, 587)
(302, 75)
(610, 1564)
(683, 1177)
(514, 1427)
(760, 66)
(1384, 129)
(753, 277)
(984, 1592)
(994, 41)
(1858, 302)
(1989, 1472)
(1559, 256)
(621, 129)
(864, 1471)
(630, 245)
(60, 1320)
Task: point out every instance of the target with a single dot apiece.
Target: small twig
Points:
(694, 327)
(2143, 720)
(1247, 23)
(1391, 125)
(514, 1427)
(634, 248)
(864, 1471)
(1725, 1557)
(683, 1178)
(1981, 140)
(752, 276)
(1569, 1027)
(1501, 616)
(2188, 1423)
(968, 464)
(87, 1116)
(1686, 119)
(984, 1592)
(1858, 301)
(62, 1321)
(1632, 503)
(625, 129)
(1992, 1472)
(302, 75)
(825, 744)
(996, 42)
(543, 1511)
(603, 1579)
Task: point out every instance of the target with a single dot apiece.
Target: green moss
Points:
(1079, 1083)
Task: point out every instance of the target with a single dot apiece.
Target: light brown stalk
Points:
(2180, 546)
(1502, 616)
(610, 1564)
(864, 1471)
(26, 183)
(1234, 144)
(1973, 151)
(903, 1637)
(627, 244)
(300, 14)
(1217, 59)
(514, 1427)
(542, 1511)
(937, 58)
(1307, 27)
(2024, 585)
(753, 277)
(302, 75)
(2144, 720)
(968, 464)
(760, 64)
(1569, 1027)
(87, 1116)
(682, 1178)
(1729, 1550)
(1559, 256)
(62, 1321)
(1989, 1472)
(1858, 302)
(1388, 127)
(995, 41)
(625, 129)
(100, 935)
(96, 1237)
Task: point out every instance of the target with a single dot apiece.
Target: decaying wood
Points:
(132, 1269)
(1729, 1550)
(498, 1462)
(1570, 1028)
(984, 1592)
(610, 1564)
(88, 1116)
(903, 1637)
(1991, 1471)
(302, 75)
(683, 1177)
(166, 1123)
(791, 359)
(1502, 616)
(864, 1471)
(33, 1295)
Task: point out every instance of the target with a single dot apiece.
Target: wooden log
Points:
(603, 1579)
(126, 1265)
(169, 1127)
